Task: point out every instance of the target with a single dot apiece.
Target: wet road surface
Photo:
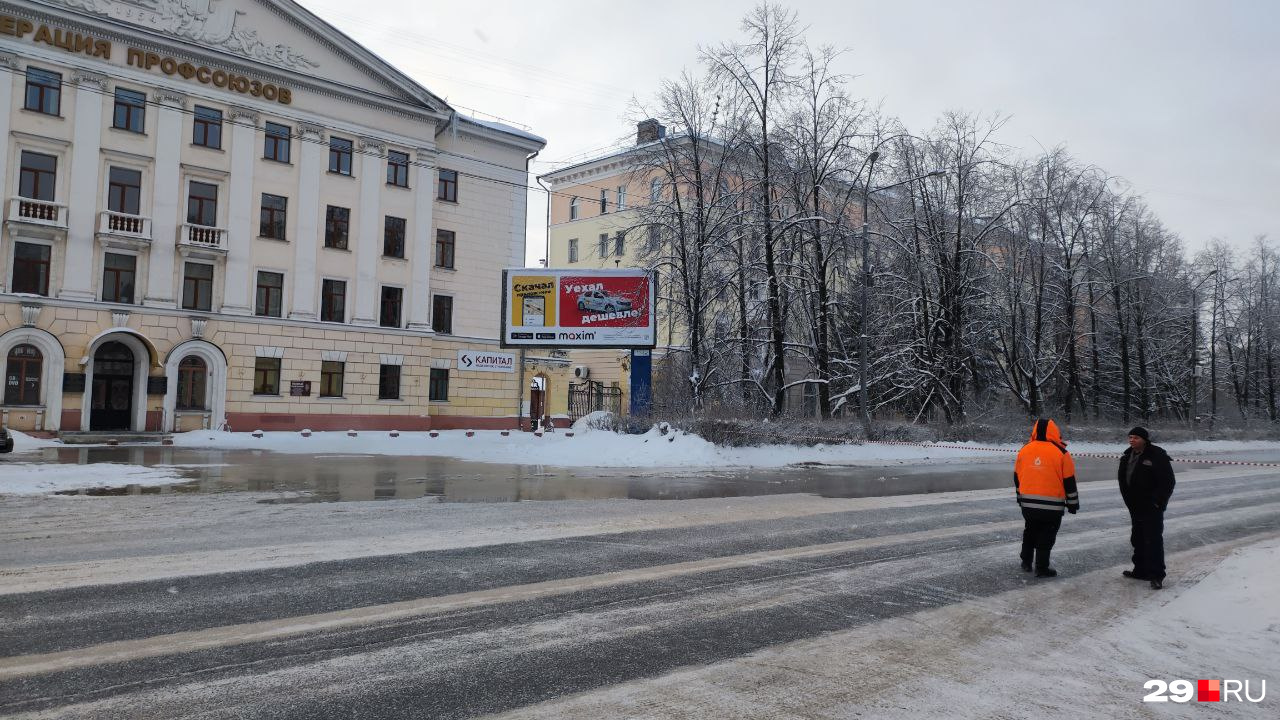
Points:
(467, 632)
(334, 478)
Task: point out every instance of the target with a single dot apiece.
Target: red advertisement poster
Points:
(590, 301)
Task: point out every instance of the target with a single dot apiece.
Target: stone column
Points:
(368, 244)
(10, 61)
(311, 155)
(241, 230)
(84, 187)
(166, 200)
(422, 251)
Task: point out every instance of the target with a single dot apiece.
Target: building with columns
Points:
(231, 215)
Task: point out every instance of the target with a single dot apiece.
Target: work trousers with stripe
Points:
(1039, 534)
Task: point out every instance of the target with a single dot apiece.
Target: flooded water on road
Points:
(340, 478)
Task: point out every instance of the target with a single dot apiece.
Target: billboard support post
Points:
(641, 382)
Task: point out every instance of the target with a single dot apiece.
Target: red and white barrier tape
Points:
(977, 448)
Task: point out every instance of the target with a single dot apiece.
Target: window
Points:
(197, 286)
(333, 301)
(22, 376)
(604, 245)
(266, 376)
(30, 268)
(655, 191)
(44, 91)
(573, 250)
(389, 315)
(622, 197)
(38, 176)
(339, 156)
(442, 314)
(439, 386)
(131, 110)
(272, 223)
(208, 128)
(192, 374)
(393, 237)
(118, 273)
(573, 208)
(270, 294)
(619, 244)
(331, 378)
(124, 191)
(604, 201)
(447, 188)
(389, 382)
(276, 145)
(445, 241)
(337, 220)
(202, 204)
(398, 169)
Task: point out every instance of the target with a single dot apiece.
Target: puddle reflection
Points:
(346, 478)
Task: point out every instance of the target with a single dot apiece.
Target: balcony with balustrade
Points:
(124, 229)
(202, 240)
(43, 213)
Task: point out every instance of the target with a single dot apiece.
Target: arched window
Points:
(192, 374)
(22, 376)
(573, 208)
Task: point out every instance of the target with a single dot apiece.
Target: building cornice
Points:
(143, 39)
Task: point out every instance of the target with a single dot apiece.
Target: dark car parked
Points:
(6, 440)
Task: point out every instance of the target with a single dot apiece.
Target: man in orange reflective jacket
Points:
(1044, 478)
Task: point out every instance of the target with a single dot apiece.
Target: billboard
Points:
(578, 308)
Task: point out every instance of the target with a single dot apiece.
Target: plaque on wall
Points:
(300, 388)
(72, 382)
(157, 385)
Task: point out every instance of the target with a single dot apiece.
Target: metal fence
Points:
(591, 396)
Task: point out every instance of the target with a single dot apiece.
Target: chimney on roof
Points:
(649, 131)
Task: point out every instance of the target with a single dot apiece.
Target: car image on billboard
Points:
(603, 301)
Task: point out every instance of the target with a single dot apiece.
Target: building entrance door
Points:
(112, 388)
(537, 401)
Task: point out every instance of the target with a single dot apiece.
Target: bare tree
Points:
(760, 69)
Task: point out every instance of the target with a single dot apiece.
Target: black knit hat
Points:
(1141, 432)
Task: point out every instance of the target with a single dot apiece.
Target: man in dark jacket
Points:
(1146, 482)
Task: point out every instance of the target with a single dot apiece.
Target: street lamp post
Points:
(1195, 345)
(867, 192)
(866, 282)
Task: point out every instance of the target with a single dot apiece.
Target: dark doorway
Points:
(537, 401)
(112, 407)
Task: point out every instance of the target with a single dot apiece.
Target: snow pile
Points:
(36, 479)
(23, 442)
(598, 420)
(661, 446)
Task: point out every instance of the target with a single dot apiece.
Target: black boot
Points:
(1047, 572)
(1156, 583)
(1134, 575)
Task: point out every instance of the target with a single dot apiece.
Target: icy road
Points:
(782, 606)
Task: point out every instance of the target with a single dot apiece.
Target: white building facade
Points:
(231, 215)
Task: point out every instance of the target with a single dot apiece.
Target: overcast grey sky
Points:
(1179, 98)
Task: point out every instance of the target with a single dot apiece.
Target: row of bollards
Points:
(306, 433)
